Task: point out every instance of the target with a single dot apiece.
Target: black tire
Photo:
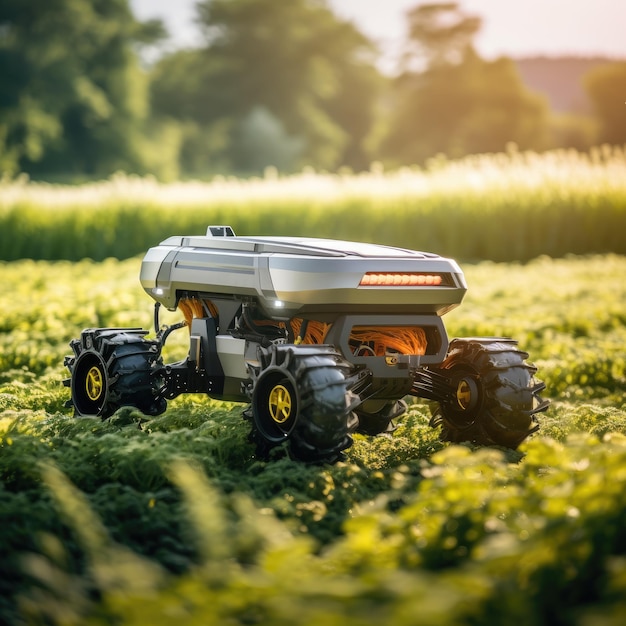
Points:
(113, 368)
(496, 396)
(302, 396)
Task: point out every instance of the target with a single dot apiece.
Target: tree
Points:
(455, 102)
(606, 86)
(74, 99)
(296, 62)
(439, 34)
(185, 92)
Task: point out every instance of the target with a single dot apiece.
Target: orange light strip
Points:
(400, 279)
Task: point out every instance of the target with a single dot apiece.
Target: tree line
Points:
(273, 83)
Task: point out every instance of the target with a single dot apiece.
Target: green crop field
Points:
(171, 519)
(505, 207)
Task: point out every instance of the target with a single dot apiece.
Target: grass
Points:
(149, 520)
(503, 207)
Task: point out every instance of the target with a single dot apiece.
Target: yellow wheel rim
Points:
(280, 404)
(94, 383)
(463, 394)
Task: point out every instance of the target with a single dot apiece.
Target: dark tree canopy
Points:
(73, 96)
(284, 83)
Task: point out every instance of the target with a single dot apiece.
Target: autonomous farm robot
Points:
(321, 338)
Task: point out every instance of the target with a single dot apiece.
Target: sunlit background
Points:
(534, 27)
(490, 131)
(195, 89)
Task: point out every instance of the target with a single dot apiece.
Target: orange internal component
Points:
(192, 308)
(376, 340)
(382, 339)
(372, 340)
(315, 331)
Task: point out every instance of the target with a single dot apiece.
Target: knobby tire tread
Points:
(510, 394)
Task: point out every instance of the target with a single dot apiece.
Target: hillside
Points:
(560, 79)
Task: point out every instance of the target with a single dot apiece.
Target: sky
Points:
(513, 28)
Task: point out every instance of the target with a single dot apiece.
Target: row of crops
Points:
(143, 520)
(505, 207)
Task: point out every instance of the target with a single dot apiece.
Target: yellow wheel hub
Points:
(94, 383)
(463, 394)
(280, 404)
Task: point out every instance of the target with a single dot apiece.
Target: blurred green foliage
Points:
(289, 82)
(142, 520)
(601, 85)
(87, 90)
(74, 98)
(450, 101)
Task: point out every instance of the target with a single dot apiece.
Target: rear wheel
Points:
(496, 397)
(112, 368)
(302, 395)
(89, 384)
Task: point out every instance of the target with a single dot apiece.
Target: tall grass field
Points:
(157, 520)
(507, 207)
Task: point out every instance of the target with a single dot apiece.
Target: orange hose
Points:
(192, 308)
(315, 331)
(380, 339)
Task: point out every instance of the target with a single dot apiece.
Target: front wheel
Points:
(301, 395)
(495, 395)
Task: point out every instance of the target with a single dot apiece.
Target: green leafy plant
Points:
(143, 519)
